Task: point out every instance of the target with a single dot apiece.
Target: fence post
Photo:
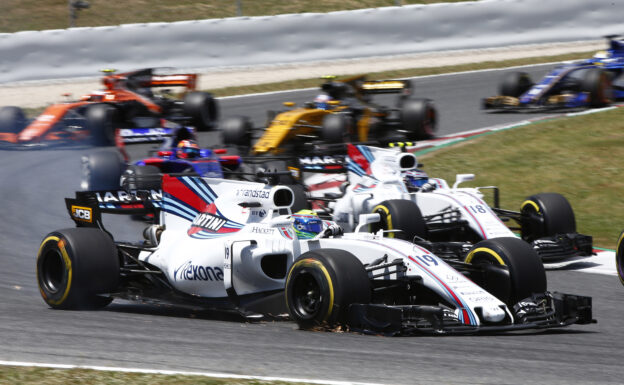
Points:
(239, 8)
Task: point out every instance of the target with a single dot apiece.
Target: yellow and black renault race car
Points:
(344, 112)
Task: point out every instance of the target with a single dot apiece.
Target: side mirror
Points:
(366, 219)
(461, 178)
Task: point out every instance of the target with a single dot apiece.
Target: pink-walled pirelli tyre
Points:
(320, 286)
(75, 267)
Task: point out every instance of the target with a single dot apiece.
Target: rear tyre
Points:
(513, 270)
(321, 285)
(515, 84)
(237, 131)
(202, 108)
(400, 214)
(597, 84)
(619, 257)
(544, 215)
(102, 171)
(12, 119)
(142, 178)
(419, 118)
(76, 266)
(335, 128)
(101, 123)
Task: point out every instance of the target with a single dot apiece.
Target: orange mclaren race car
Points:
(343, 112)
(127, 106)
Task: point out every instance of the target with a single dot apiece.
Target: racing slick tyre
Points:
(101, 123)
(322, 284)
(400, 214)
(597, 84)
(419, 118)
(202, 108)
(619, 258)
(515, 84)
(12, 119)
(544, 215)
(335, 128)
(102, 171)
(512, 269)
(141, 178)
(75, 266)
(237, 131)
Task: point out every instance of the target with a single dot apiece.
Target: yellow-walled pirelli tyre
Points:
(546, 214)
(74, 266)
(512, 268)
(619, 257)
(400, 214)
(320, 286)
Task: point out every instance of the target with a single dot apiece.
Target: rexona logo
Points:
(208, 222)
(80, 213)
(190, 272)
(320, 160)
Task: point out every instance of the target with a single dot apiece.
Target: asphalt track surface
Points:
(34, 184)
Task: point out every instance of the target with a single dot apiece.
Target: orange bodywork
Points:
(116, 90)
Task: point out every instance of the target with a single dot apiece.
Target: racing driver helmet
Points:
(322, 102)
(415, 179)
(307, 224)
(187, 149)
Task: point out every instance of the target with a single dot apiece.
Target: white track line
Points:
(181, 373)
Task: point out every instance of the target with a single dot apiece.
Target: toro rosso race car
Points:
(127, 103)
(344, 112)
(225, 244)
(180, 153)
(388, 182)
(594, 82)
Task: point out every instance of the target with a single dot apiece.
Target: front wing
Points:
(540, 311)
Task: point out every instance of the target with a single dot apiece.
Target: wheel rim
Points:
(307, 297)
(52, 271)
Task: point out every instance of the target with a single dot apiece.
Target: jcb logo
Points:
(82, 213)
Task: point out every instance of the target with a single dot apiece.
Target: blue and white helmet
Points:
(415, 178)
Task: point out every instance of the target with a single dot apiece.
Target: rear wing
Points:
(146, 78)
(87, 207)
(372, 87)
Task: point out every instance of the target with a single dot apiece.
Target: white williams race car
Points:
(235, 245)
(388, 182)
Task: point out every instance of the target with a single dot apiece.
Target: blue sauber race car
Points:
(594, 82)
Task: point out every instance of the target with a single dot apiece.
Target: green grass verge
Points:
(580, 157)
(23, 15)
(14, 375)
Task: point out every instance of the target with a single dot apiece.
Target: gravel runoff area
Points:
(41, 93)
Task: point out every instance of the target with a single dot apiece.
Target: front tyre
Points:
(75, 266)
(511, 268)
(322, 284)
(544, 215)
(619, 258)
(515, 84)
(101, 122)
(202, 108)
(598, 86)
(237, 131)
(419, 118)
(400, 214)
